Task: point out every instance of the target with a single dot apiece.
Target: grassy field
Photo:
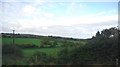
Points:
(49, 51)
(21, 41)
(33, 41)
(28, 52)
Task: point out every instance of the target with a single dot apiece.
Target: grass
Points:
(29, 51)
(49, 51)
(21, 41)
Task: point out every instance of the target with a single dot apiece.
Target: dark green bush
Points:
(27, 46)
(10, 49)
(11, 53)
(40, 58)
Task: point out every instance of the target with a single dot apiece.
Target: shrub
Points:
(28, 46)
(40, 58)
(11, 53)
(9, 49)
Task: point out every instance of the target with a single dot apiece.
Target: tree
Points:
(105, 49)
(99, 50)
(97, 34)
(45, 42)
(106, 33)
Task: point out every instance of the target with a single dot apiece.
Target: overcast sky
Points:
(77, 19)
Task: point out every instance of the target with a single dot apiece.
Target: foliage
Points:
(10, 53)
(11, 50)
(27, 46)
(40, 58)
(46, 42)
(21, 41)
(102, 49)
(64, 56)
(98, 34)
(49, 51)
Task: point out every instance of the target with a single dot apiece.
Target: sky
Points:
(66, 18)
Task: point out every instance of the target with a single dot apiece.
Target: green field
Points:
(33, 41)
(49, 51)
(28, 52)
(21, 41)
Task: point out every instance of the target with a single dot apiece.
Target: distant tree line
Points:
(36, 36)
(20, 35)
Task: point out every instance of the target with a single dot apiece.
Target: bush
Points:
(9, 49)
(28, 46)
(11, 53)
(40, 58)
(46, 41)
(64, 56)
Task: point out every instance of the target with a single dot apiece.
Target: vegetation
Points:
(49, 51)
(101, 49)
(11, 53)
(41, 58)
(21, 41)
